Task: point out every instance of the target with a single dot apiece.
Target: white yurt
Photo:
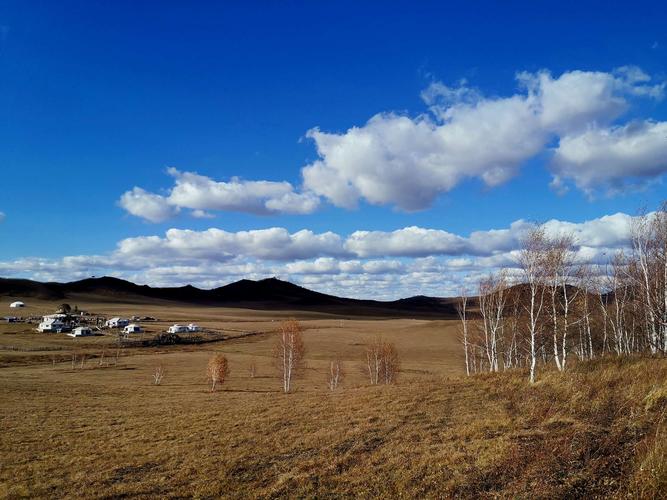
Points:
(16, 304)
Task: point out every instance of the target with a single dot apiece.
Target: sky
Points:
(365, 149)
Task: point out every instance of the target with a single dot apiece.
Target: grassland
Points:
(105, 431)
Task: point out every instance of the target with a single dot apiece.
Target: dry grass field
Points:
(101, 429)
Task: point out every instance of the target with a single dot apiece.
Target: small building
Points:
(16, 304)
(132, 328)
(51, 325)
(117, 323)
(60, 316)
(178, 329)
(81, 331)
(10, 319)
(194, 328)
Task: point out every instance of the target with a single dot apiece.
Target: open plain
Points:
(83, 418)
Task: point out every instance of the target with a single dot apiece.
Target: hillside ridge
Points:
(269, 293)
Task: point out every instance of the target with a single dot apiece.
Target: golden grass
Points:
(107, 431)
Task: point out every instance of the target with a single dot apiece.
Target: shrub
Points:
(218, 370)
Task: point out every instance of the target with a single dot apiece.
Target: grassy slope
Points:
(102, 432)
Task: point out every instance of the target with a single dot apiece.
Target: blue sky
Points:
(96, 100)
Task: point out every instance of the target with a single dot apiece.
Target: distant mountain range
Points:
(270, 293)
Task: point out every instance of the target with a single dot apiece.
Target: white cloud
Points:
(369, 264)
(612, 157)
(2, 216)
(407, 162)
(329, 265)
(149, 206)
(218, 245)
(196, 191)
(202, 214)
(410, 241)
(202, 194)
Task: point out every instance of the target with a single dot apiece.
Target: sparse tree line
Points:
(382, 361)
(555, 308)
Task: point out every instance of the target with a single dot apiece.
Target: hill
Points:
(270, 293)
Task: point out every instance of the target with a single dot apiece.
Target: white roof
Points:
(51, 320)
(18, 303)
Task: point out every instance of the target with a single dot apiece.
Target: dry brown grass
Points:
(107, 431)
(594, 431)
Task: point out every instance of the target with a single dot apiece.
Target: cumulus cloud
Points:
(202, 194)
(612, 157)
(374, 264)
(407, 162)
(329, 265)
(196, 191)
(218, 245)
(149, 206)
(410, 241)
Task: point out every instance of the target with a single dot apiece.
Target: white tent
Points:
(18, 303)
(133, 328)
(117, 322)
(177, 329)
(81, 331)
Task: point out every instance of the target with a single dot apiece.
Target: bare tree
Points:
(512, 327)
(587, 289)
(336, 374)
(217, 370)
(621, 287)
(382, 362)
(531, 260)
(289, 351)
(492, 298)
(391, 364)
(158, 375)
(558, 267)
(462, 309)
(374, 360)
(649, 241)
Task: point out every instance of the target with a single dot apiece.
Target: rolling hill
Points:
(270, 293)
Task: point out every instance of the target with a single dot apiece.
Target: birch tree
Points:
(531, 260)
(492, 298)
(382, 362)
(462, 310)
(289, 351)
(336, 374)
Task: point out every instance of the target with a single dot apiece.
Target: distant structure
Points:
(178, 329)
(81, 331)
(16, 304)
(117, 323)
(193, 328)
(51, 324)
(132, 328)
